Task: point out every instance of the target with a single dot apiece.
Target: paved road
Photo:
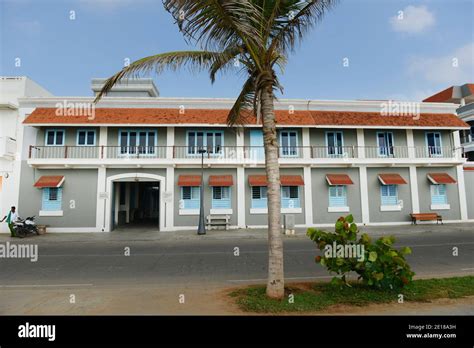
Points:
(187, 262)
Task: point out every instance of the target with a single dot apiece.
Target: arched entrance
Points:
(124, 184)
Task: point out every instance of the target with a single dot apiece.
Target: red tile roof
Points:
(137, 116)
(440, 97)
(221, 180)
(49, 181)
(189, 180)
(441, 178)
(339, 179)
(392, 179)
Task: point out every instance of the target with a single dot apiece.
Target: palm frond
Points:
(225, 60)
(244, 106)
(194, 60)
(216, 23)
(304, 15)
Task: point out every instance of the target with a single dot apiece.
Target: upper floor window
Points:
(211, 141)
(85, 137)
(288, 143)
(137, 141)
(433, 143)
(334, 143)
(54, 137)
(389, 194)
(385, 144)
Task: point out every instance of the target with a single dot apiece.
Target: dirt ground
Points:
(191, 300)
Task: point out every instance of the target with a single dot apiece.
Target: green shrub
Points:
(378, 264)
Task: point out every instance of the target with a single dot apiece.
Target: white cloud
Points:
(412, 20)
(451, 69)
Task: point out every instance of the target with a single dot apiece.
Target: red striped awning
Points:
(221, 180)
(440, 178)
(258, 180)
(338, 179)
(50, 181)
(189, 180)
(285, 180)
(392, 179)
(291, 180)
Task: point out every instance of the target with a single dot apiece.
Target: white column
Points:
(457, 145)
(169, 205)
(360, 143)
(241, 197)
(306, 144)
(169, 142)
(240, 143)
(415, 200)
(127, 202)
(103, 133)
(117, 202)
(364, 194)
(101, 201)
(411, 144)
(308, 198)
(462, 192)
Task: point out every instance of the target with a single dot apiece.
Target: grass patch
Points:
(313, 297)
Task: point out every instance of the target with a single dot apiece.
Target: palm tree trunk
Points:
(275, 283)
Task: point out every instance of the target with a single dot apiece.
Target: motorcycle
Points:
(26, 227)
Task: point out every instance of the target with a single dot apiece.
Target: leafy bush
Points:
(378, 264)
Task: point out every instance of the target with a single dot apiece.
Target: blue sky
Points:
(392, 55)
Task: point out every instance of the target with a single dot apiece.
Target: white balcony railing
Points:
(243, 153)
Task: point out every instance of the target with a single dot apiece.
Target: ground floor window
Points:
(190, 197)
(290, 197)
(259, 197)
(438, 194)
(221, 197)
(337, 196)
(389, 194)
(52, 197)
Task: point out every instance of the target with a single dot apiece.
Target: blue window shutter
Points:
(51, 205)
(337, 196)
(256, 144)
(389, 194)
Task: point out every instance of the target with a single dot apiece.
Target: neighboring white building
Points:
(12, 88)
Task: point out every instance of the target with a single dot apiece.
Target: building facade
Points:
(135, 160)
(12, 88)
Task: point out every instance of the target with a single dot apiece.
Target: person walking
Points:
(11, 218)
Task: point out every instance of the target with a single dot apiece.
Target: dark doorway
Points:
(138, 204)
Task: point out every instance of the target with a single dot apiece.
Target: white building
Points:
(12, 88)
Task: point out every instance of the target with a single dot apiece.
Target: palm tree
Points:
(258, 35)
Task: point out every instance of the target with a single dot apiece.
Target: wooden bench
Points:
(426, 217)
(218, 221)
